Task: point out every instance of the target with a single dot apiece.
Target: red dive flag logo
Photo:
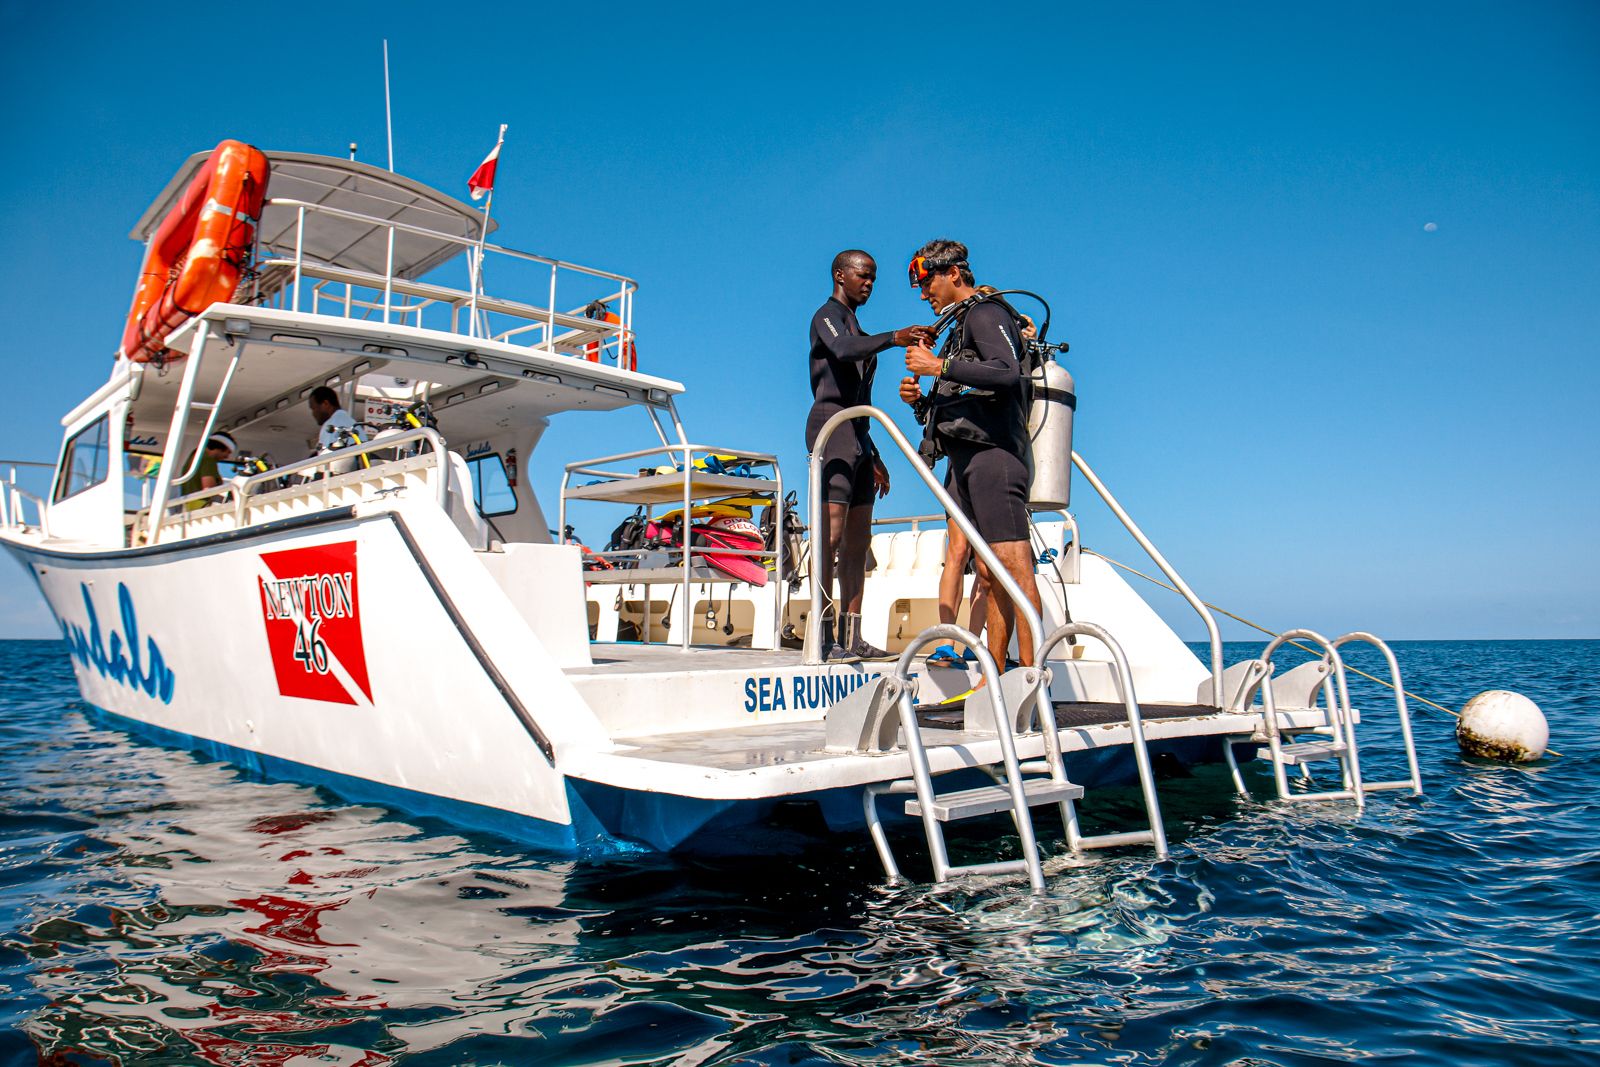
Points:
(311, 607)
(482, 180)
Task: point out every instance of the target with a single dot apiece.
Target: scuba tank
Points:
(1052, 400)
(1050, 436)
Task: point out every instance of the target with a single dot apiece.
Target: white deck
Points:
(788, 758)
(784, 753)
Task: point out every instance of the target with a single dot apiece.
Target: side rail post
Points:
(1344, 748)
(1157, 834)
(1414, 783)
(922, 773)
(13, 515)
(180, 421)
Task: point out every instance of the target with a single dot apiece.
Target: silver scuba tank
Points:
(1050, 436)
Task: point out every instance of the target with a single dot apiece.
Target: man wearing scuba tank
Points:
(976, 417)
(843, 361)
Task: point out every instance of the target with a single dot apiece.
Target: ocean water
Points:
(157, 908)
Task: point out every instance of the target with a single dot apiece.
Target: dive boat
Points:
(396, 618)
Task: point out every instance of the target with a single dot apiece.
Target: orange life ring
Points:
(630, 358)
(197, 254)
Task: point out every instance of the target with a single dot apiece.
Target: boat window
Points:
(491, 488)
(87, 459)
(139, 470)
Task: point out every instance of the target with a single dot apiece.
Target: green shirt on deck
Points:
(208, 465)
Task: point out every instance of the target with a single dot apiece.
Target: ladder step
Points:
(1132, 837)
(1305, 751)
(996, 867)
(1336, 794)
(988, 799)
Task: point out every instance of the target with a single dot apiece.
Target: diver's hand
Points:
(909, 391)
(919, 360)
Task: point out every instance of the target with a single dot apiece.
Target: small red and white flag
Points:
(482, 180)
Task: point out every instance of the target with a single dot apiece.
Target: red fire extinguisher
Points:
(511, 468)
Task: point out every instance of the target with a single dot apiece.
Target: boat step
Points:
(988, 799)
(1305, 751)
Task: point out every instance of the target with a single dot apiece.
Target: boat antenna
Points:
(388, 113)
(352, 150)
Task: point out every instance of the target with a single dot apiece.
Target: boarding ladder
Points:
(1018, 703)
(864, 723)
(1301, 688)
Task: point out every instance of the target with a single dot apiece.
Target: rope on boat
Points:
(1273, 633)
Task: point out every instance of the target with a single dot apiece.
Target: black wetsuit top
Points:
(843, 361)
(991, 365)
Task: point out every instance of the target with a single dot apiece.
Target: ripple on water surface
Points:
(156, 908)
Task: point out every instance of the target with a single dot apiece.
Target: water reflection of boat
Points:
(392, 616)
(377, 915)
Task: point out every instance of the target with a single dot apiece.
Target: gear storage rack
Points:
(682, 487)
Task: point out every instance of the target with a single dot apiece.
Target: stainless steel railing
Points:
(684, 456)
(1414, 782)
(1156, 835)
(1340, 719)
(242, 490)
(13, 496)
(613, 339)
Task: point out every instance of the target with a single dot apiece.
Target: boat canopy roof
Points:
(345, 185)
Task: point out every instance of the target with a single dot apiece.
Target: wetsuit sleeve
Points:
(830, 329)
(990, 332)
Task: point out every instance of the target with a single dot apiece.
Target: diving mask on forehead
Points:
(924, 267)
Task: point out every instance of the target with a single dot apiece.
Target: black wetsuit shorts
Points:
(991, 486)
(846, 464)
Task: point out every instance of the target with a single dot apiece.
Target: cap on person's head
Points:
(221, 440)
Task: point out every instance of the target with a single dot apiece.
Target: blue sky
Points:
(1325, 413)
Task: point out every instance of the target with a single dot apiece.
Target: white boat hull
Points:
(324, 652)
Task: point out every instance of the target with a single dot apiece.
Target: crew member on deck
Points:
(843, 361)
(332, 418)
(207, 475)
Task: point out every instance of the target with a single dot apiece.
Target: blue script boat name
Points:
(153, 677)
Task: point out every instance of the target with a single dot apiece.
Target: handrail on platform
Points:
(619, 335)
(242, 490)
(11, 502)
(687, 451)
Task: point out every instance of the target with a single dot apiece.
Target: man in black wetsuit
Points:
(980, 423)
(843, 361)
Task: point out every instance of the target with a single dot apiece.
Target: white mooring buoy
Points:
(1502, 725)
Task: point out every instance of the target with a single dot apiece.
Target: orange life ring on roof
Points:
(200, 249)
